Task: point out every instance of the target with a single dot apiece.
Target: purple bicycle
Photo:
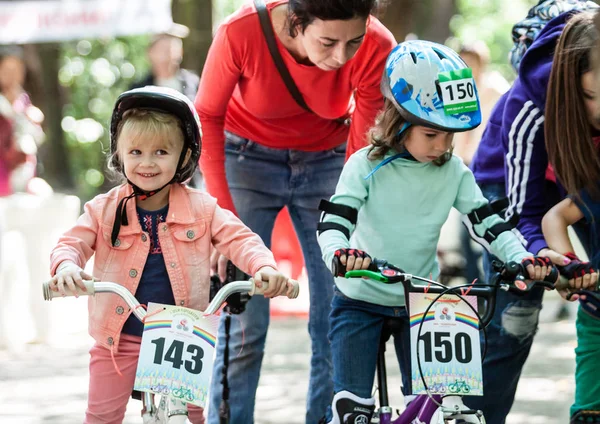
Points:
(447, 407)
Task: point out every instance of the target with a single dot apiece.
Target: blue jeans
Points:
(262, 181)
(509, 337)
(355, 333)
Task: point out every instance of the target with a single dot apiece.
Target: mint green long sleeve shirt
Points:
(401, 210)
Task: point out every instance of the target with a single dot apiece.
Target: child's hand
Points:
(70, 275)
(538, 267)
(278, 283)
(580, 274)
(350, 259)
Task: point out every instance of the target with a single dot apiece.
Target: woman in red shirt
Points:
(262, 151)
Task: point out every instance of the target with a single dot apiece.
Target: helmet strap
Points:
(403, 128)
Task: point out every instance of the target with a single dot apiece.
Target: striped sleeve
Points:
(525, 172)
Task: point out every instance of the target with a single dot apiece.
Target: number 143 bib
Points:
(177, 353)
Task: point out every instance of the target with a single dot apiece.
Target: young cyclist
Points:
(391, 201)
(153, 235)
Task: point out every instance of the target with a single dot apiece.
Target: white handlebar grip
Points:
(265, 286)
(256, 289)
(49, 294)
(295, 290)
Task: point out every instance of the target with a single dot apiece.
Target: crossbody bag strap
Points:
(267, 28)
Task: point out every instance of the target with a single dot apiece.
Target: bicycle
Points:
(446, 404)
(171, 408)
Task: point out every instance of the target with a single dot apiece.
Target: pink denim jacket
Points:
(194, 224)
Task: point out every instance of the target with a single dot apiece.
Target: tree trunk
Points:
(423, 19)
(197, 15)
(50, 99)
(398, 16)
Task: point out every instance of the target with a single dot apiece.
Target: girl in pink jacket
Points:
(157, 246)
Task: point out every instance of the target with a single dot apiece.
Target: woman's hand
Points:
(71, 275)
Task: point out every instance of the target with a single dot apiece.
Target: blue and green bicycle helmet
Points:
(430, 85)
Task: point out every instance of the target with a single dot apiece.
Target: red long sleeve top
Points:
(241, 92)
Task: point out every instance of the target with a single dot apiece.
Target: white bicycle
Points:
(170, 410)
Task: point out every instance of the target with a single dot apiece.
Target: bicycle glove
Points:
(337, 268)
(536, 260)
(576, 268)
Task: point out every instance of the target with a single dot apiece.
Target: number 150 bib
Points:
(448, 343)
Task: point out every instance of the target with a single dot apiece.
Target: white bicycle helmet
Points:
(166, 100)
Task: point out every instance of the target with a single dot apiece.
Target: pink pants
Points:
(109, 392)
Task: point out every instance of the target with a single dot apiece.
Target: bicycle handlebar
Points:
(509, 276)
(93, 287)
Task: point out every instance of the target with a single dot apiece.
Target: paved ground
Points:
(48, 383)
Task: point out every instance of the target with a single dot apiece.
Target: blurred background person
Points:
(30, 213)
(165, 53)
(20, 127)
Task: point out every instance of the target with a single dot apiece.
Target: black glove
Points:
(575, 268)
(337, 268)
(536, 260)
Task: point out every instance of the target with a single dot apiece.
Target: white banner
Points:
(55, 20)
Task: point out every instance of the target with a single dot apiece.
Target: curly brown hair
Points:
(384, 135)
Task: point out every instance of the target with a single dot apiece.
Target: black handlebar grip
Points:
(512, 270)
(553, 276)
(338, 269)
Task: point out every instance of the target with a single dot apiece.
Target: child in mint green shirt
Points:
(391, 201)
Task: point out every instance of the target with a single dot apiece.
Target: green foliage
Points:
(95, 72)
(490, 21)
(223, 8)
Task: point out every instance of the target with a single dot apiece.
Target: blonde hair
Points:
(384, 135)
(147, 126)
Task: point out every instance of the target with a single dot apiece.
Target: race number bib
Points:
(448, 343)
(458, 91)
(177, 353)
